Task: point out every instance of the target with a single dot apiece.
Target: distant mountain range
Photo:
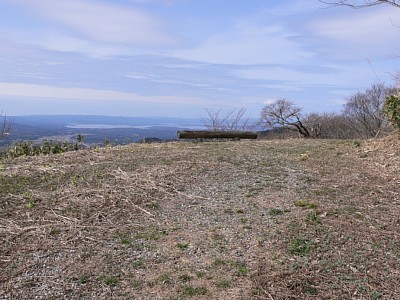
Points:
(96, 129)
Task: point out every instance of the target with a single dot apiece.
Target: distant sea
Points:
(110, 126)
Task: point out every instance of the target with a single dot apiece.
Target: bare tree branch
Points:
(233, 120)
(283, 113)
(364, 110)
(329, 126)
(5, 125)
(361, 3)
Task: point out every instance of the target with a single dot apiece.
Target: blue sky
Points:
(179, 57)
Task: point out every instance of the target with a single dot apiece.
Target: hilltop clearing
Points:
(289, 219)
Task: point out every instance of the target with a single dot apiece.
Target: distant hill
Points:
(96, 129)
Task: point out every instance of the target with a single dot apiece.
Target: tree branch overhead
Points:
(361, 4)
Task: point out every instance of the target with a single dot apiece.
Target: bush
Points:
(391, 110)
(364, 110)
(28, 148)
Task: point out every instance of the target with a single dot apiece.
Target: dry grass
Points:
(224, 220)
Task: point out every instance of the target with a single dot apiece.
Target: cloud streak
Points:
(89, 26)
(356, 34)
(249, 43)
(42, 91)
(187, 53)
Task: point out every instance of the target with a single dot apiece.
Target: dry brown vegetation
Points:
(289, 219)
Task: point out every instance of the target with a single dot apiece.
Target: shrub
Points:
(391, 110)
(28, 148)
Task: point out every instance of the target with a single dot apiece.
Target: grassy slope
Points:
(226, 220)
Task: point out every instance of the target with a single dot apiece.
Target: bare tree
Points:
(361, 3)
(284, 113)
(329, 126)
(5, 126)
(233, 120)
(363, 110)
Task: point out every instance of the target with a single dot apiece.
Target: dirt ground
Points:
(287, 219)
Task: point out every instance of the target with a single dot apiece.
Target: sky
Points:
(177, 58)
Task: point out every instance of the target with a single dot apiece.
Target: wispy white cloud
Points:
(248, 43)
(165, 80)
(356, 34)
(300, 77)
(241, 57)
(91, 26)
(270, 101)
(138, 75)
(180, 82)
(289, 76)
(42, 91)
(166, 2)
(291, 8)
(107, 23)
(186, 65)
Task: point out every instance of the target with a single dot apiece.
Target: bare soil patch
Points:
(290, 219)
